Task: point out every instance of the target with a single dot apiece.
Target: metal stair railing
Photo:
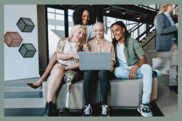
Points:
(148, 41)
(133, 27)
(136, 28)
(145, 32)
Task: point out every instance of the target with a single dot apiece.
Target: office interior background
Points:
(55, 21)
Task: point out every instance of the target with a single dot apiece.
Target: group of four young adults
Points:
(128, 61)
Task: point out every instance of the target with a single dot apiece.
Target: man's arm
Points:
(133, 70)
(140, 53)
(142, 61)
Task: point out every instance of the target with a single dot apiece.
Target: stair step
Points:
(144, 41)
(149, 44)
(149, 47)
(150, 58)
(149, 36)
(151, 55)
(150, 51)
(149, 61)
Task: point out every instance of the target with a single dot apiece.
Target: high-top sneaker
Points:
(105, 111)
(87, 110)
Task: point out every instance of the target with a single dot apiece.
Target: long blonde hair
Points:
(162, 9)
(80, 44)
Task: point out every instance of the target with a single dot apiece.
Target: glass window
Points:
(59, 27)
(51, 27)
(52, 36)
(70, 12)
(60, 11)
(108, 21)
(55, 28)
(60, 17)
(70, 20)
(70, 28)
(135, 34)
(152, 6)
(50, 9)
(51, 16)
(142, 29)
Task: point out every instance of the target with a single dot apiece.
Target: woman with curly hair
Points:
(68, 59)
(83, 15)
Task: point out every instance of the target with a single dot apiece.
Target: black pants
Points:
(90, 76)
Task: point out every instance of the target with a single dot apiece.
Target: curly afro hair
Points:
(77, 14)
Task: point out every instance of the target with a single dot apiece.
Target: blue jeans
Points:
(145, 72)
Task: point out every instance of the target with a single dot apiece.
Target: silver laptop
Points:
(95, 60)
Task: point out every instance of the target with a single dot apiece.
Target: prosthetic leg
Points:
(69, 78)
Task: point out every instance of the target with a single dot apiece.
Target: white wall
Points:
(15, 66)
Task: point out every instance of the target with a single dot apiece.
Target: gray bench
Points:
(122, 93)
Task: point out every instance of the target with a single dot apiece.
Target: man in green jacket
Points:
(131, 63)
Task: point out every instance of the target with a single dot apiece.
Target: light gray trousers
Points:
(172, 56)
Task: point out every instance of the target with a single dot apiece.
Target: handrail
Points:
(137, 27)
(148, 41)
(144, 33)
(133, 27)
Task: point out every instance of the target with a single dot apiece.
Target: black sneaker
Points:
(174, 88)
(64, 112)
(87, 111)
(105, 111)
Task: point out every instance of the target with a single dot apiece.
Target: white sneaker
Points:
(105, 111)
(87, 110)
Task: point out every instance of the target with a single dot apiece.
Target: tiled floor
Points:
(167, 100)
(21, 100)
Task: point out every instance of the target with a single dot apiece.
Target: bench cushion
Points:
(76, 97)
(128, 93)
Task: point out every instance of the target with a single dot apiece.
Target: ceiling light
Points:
(123, 13)
(107, 11)
(138, 18)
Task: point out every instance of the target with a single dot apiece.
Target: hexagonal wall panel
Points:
(25, 25)
(12, 39)
(27, 50)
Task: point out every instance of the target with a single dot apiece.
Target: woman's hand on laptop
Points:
(112, 68)
(75, 56)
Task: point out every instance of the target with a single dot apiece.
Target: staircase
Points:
(149, 49)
